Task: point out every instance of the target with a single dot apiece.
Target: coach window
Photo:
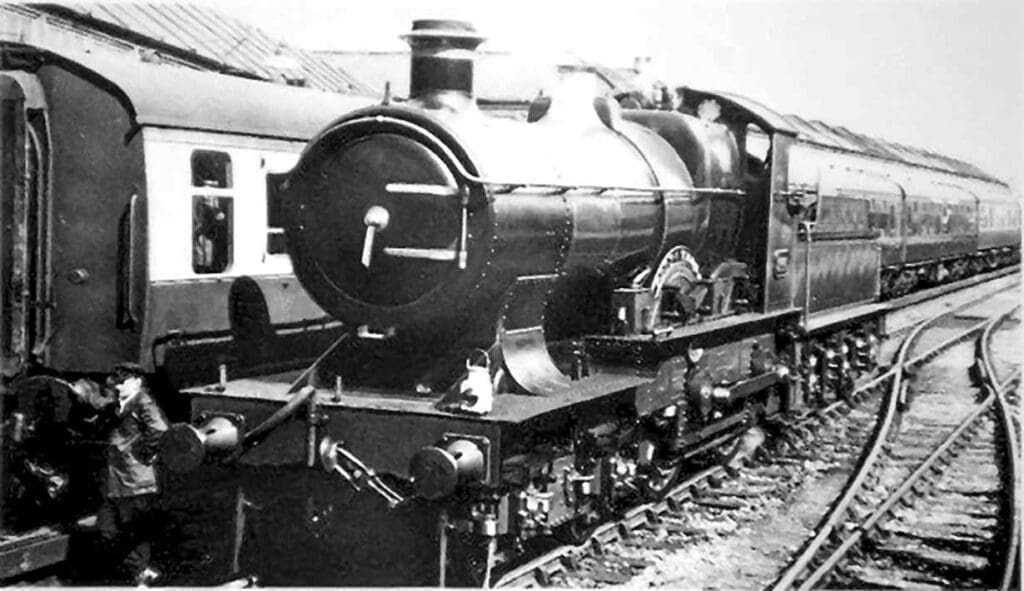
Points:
(212, 212)
(275, 215)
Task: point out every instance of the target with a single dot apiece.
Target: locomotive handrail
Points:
(700, 191)
(842, 235)
(512, 185)
(509, 186)
(557, 189)
(133, 206)
(127, 258)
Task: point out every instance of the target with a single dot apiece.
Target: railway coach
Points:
(139, 222)
(933, 218)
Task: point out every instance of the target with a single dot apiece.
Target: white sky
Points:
(947, 75)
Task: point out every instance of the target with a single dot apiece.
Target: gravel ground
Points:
(944, 540)
(746, 529)
(947, 538)
(749, 556)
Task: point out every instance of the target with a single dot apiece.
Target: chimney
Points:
(442, 57)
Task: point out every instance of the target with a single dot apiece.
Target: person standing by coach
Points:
(132, 424)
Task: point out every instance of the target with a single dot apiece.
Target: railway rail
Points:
(698, 490)
(880, 486)
(713, 491)
(966, 457)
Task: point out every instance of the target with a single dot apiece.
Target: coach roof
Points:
(172, 96)
(836, 137)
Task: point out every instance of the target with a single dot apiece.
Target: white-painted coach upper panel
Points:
(192, 219)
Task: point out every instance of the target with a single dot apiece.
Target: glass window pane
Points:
(211, 169)
(211, 233)
(275, 215)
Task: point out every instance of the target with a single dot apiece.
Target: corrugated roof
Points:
(169, 96)
(208, 37)
(500, 77)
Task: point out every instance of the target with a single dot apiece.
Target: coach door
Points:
(24, 224)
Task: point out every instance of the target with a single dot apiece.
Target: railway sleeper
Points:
(944, 563)
(959, 540)
(885, 578)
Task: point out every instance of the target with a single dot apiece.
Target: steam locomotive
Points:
(509, 329)
(545, 319)
(138, 223)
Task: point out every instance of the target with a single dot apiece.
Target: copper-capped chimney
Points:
(442, 58)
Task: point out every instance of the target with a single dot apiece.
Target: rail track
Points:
(893, 473)
(706, 493)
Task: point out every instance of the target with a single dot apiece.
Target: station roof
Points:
(179, 97)
(499, 76)
(190, 33)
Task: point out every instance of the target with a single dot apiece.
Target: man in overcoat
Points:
(132, 423)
